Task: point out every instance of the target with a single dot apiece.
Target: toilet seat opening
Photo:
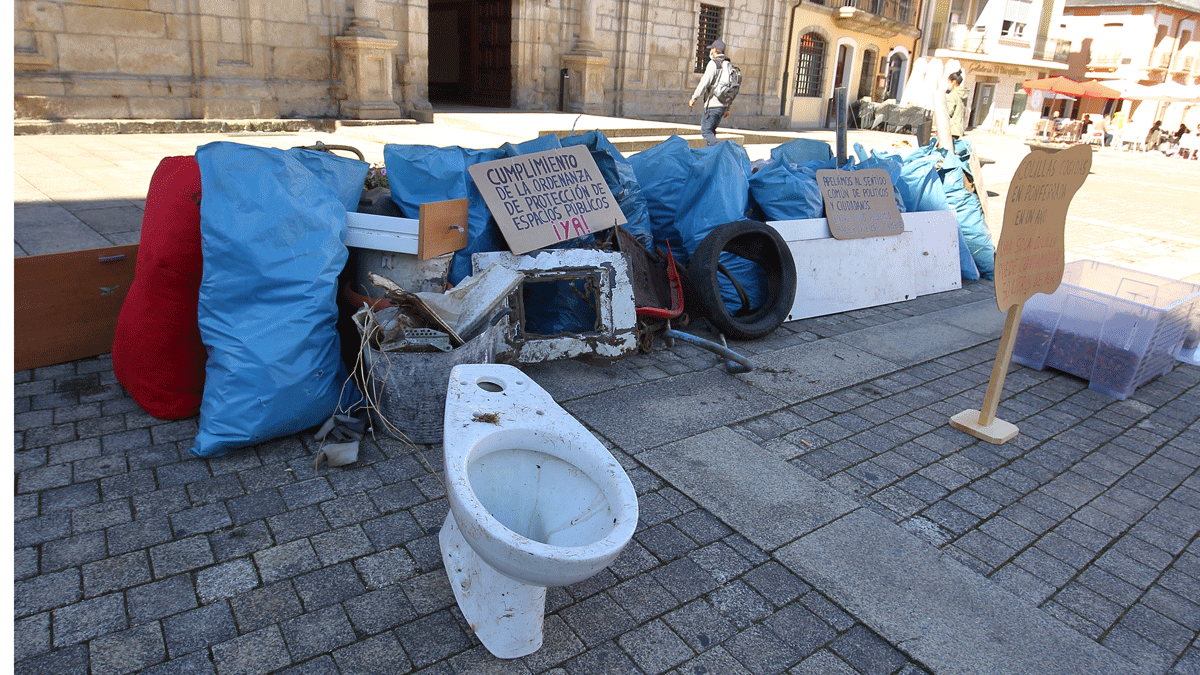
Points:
(490, 385)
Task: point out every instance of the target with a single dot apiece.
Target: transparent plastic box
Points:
(1116, 328)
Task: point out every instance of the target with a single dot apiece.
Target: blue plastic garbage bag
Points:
(782, 191)
(423, 173)
(887, 161)
(272, 225)
(622, 182)
(691, 192)
(971, 223)
(663, 172)
(801, 150)
(920, 186)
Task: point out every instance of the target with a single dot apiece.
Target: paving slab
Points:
(647, 415)
(943, 614)
(912, 341)
(762, 497)
(805, 371)
(982, 317)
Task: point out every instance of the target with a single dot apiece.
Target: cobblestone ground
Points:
(132, 556)
(1091, 513)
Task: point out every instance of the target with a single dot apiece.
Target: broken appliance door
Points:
(571, 304)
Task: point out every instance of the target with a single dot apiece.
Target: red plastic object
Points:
(157, 353)
(676, 294)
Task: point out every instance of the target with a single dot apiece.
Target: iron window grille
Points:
(810, 65)
(709, 30)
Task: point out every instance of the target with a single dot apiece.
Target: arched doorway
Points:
(897, 70)
(470, 52)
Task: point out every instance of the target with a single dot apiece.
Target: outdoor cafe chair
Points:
(1068, 132)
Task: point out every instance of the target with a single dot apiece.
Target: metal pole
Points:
(839, 102)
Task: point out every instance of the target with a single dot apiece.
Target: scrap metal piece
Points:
(607, 288)
(416, 338)
(412, 304)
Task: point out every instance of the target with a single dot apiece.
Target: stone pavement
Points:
(817, 515)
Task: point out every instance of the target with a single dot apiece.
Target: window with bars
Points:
(709, 29)
(810, 65)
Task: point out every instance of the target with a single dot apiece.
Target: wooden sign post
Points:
(1029, 259)
(546, 197)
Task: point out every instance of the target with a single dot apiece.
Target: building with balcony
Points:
(865, 46)
(377, 59)
(1142, 41)
(999, 44)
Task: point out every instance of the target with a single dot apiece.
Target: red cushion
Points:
(157, 353)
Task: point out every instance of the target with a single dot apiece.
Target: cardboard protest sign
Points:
(1030, 257)
(546, 197)
(859, 204)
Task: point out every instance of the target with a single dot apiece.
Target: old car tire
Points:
(759, 243)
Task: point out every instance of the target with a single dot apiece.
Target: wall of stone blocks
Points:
(652, 47)
(175, 58)
(145, 59)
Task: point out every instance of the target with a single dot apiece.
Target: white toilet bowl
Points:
(535, 501)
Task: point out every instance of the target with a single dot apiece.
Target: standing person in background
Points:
(956, 104)
(1105, 124)
(714, 110)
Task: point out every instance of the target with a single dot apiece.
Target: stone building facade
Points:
(187, 59)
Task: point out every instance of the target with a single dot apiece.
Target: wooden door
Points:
(494, 50)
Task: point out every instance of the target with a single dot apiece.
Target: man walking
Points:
(714, 109)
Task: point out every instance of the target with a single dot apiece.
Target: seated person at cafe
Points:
(1103, 126)
(1153, 136)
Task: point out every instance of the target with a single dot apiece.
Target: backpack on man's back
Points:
(729, 82)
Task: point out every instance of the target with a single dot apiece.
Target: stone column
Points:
(586, 66)
(412, 28)
(366, 66)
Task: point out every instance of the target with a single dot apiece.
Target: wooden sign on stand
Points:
(1029, 259)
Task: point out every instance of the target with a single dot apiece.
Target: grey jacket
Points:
(708, 82)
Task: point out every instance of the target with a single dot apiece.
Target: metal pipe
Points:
(787, 62)
(563, 75)
(734, 362)
(839, 102)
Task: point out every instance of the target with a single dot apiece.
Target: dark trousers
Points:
(708, 124)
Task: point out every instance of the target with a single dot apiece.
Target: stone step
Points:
(533, 125)
(629, 145)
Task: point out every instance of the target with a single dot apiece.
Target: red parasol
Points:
(1058, 85)
(1093, 89)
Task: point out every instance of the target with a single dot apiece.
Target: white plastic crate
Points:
(1114, 327)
